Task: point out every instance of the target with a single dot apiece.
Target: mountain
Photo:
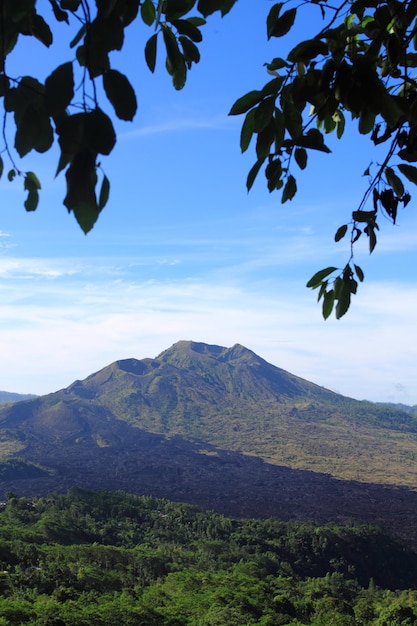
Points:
(222, 428)
(7, 396)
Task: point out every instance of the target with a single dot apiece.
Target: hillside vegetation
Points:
(115, 559)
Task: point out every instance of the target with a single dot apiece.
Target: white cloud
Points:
(67, 330)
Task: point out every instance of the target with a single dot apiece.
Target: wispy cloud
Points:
(66, 329)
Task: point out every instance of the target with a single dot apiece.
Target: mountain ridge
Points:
(220, 427)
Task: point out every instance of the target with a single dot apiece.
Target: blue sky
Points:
(183, 252)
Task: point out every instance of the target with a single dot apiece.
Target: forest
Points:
(104, 558)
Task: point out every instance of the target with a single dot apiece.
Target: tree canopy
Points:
(360, 65)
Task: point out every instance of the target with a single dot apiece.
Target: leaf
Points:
(11, 175)
(265, 139)
(147, 12)
(32, 200)
(366, 121)
(253, 173)
(247, 131)
(290, 189)
(307, 50)
(32, 181)
(207, 7)
(328, 303)
(70, 5)
(272, 18)
(31, 185)
(246, 102)
(99, 132)
(150, 52)
(81, 181)
(409, 171)
(60, 15)
(185, 27)
(273, 173)
(363, 216)
(104, 193)
(190, 50)
(41, 31)
(394, 181)
(79, 35)
(300, 156)
(27, 131)
(59, 89)
(283, 24)
(359, 272)
(1, 167)
(177, 8)
(175, 62)
(121, 94)
(318, 277)
(341, 232)
(343, 302)
(263, 114)
(313, 139)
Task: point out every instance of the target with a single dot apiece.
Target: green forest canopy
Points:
(110, 558)
(360, 65)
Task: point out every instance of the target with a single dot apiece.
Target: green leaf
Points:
(99, 132)
(207, 7)
(79, 35)
(121, 94)
(341, 232)
(319, 276)
(394, 181)
(150, 52)
(263, 114)
(32, 181)
(81, 181)
(27, 131)
(366, 121)
(273, 173)
(359, 272)
(185, 27)
(104, 193)
(272, 18)
(246, 102)
(343, 302)
(253, 173)
(293, 119)
(313, 139)
(300, 155)
(190, 50)
(340, 123)
(283, 24)
(175, 9)
(328, 303)
(147, 12)
(59, 89)
(409, 171)
(1, 167)
(60, 15)
(41, 31)
(31, 185)
(363, 216)
(11, 175)
(290, 189)
(265, 139)
(247, 131)
(307, 50)
(70, 5)
(175, 61)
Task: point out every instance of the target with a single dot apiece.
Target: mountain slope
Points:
(230, 398)
(222, 428)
